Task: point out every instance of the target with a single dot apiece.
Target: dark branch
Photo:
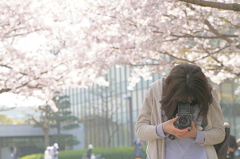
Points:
(5, 90)
(216, 32)
(222, 36)
(218, 5)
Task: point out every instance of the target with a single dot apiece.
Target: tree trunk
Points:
(46, 136)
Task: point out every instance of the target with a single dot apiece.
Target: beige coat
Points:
(150, 116)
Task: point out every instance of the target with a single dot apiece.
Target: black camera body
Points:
(184, 116)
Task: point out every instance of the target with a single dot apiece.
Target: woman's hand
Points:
(192, 132)
(168, 127)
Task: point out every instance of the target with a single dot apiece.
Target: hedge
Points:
(106, 153)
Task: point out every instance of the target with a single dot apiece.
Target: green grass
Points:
(107, 153)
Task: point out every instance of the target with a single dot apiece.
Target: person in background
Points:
(12, 152)
(15, 152)
(93, 156)
(89, 152)
(47, 153)
(171, 135)
(54, 151)
(232, 146)
(84, 156)
(138, 148)
(237, 152)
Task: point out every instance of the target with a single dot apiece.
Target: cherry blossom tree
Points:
(31, 61)
(51, 45)
(141, 30)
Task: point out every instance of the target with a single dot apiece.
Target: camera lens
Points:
(184, 120)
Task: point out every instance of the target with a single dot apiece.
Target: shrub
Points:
(107, 153)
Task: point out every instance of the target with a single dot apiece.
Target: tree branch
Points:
(222, 36)
(5, 90)
(212, 29)
(218, 5)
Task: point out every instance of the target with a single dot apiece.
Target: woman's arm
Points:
(144, 129)
(214, 132)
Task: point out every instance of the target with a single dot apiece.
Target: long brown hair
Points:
(186, 81)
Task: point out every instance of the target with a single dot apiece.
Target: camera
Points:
(184, 116)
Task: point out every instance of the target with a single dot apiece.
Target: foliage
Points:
(5, 120)
(33, 156)
(61, 119)
(64, 141)
(108, 153)
(64, 114)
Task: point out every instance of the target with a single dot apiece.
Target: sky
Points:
(18, 112)
(9, 100)
(16, 106)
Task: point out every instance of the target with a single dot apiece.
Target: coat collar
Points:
(157, 87)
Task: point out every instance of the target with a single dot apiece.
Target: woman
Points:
(158, 118)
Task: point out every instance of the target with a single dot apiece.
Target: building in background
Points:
(30, 140)
(109, 113)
